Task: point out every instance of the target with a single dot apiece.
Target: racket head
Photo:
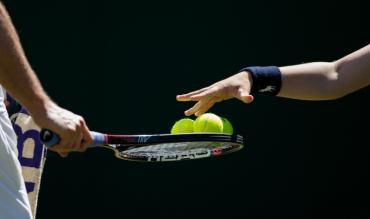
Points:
(177, 147)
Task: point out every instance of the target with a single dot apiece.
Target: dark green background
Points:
(120, 65)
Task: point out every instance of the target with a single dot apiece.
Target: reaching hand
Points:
(237, 86)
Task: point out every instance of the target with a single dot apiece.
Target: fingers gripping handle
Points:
(50, 138)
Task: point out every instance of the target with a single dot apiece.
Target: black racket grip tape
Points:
(49, 138)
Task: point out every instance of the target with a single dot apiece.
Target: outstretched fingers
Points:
(193, 109)
(188, 96)
(205, 106)
(209, 93)
(201, 107)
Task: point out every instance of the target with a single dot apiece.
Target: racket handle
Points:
(50, 138)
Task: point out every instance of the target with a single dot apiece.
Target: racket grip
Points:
(50, 138)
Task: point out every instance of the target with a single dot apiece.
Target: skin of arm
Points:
(327, 80)
(19, 79)
(310, 81)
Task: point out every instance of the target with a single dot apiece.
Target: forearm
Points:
(16, 74)
(327, 80)
(311, 81)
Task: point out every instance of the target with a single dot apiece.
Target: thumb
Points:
(245, 96)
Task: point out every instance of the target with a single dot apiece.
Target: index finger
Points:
(187, 97)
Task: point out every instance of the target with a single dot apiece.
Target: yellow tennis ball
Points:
(185, 125)
(208, 122)
(228, 127)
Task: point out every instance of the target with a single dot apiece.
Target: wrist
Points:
(39, 106)
(249, 76)
(264, 80)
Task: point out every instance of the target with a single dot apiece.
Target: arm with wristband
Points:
(310, 81)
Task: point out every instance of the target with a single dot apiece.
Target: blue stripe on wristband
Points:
(266, 80)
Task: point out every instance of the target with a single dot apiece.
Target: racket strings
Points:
(178, 151)
(174, 147)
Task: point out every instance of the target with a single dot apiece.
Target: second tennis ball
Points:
(208, 122)
(228, 128)
(183, 126)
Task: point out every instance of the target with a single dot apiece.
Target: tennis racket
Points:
(160, 147)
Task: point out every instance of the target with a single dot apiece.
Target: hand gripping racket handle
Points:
(50, 138)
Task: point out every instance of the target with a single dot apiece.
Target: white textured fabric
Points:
(14, 203)
(31, 154)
